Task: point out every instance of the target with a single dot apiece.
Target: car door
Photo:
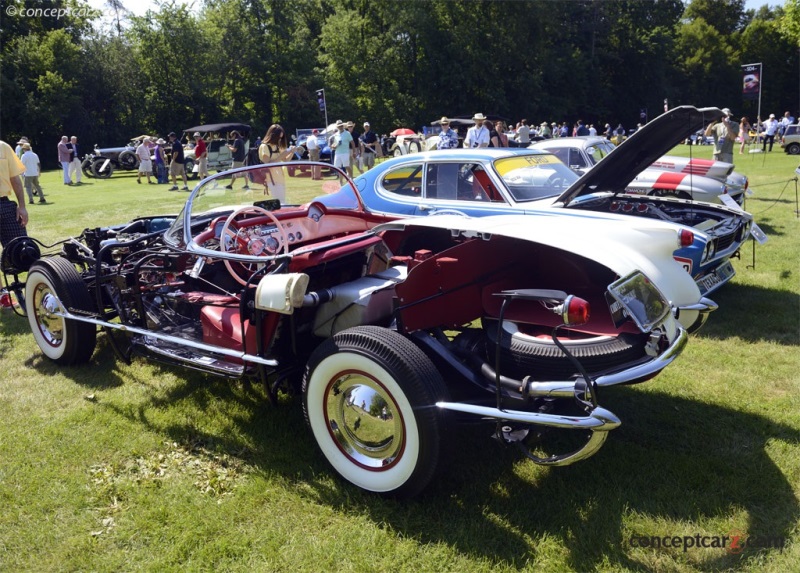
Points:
(459, 187)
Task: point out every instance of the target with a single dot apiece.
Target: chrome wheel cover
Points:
(45, 303)
(364, 421)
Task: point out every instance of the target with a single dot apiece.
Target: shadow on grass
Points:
(673, 460)
(772, 315)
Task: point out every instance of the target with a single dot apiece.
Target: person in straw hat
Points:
(478, 134)
(448, 138)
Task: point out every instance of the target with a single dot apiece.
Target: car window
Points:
(460, 182)
(576, 159)
(529, 177)
(597, 152)
(404, 180)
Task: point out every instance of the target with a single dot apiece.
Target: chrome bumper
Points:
(702, 308)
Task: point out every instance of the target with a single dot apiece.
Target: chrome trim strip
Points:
(166, 337)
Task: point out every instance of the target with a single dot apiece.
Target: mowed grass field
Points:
(115, 467)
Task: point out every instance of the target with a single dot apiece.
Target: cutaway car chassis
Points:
(389, 335)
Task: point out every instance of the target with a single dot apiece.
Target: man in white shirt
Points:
(312, 145)
(786, 121)
(524, 133)
(477, 135)
(770, 129)
(33, 169)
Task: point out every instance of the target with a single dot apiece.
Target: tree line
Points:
(392, 63)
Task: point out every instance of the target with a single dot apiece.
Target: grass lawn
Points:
(115, 467)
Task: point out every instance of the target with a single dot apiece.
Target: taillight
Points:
(686, 238)
(574, 311)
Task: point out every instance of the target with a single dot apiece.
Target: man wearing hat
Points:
(201, 154)
(13, 216)
(369, 143)
(176, 162)
(724, 133)
(145, 163)
(478, 134)
(33, 169)
(770, 129)
(448, 138)
(341, 148)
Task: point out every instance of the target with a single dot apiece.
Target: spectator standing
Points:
(448, 138)
(18, 149)
(145, 164)
(786, 121)
(201, 154)
(497, 136)
(13, 215)
(523, 133)
(369, 147)
(160, 159)
(744, 133)
(237, 158)
(33, 168)
(581, 129)
(64, 158)
(176, 166)
(478, 134)
(770, 129)
(724, 133)
(275, 148)
(75, 160)
(592, 130)
(341, 148)
(312, 145)
(544, 130)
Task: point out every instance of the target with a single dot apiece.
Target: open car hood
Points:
(650, 142)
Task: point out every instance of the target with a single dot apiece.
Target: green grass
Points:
(115, 467)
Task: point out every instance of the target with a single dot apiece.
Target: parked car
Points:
(393, 333)
(217, 137)
(104, 161)
(790, 141)
(504, 181)
(669, 176)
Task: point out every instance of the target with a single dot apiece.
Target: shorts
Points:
(341, 159)
(202, 165)
(237, 164)
(313, 154)
(176, 168)
(146, 166)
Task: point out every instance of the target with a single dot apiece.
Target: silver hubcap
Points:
(364, 421)
(45, 304)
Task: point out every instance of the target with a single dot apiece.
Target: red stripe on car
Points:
(668, 180)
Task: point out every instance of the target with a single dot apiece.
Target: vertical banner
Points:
(751, 81)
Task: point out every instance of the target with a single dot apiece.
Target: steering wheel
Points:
(232, 240)
(557, 181)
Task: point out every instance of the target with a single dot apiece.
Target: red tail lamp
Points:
(686, 238)
(574, 311)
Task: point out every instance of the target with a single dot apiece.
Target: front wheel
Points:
(793, 149)
(369, 396)
(86, 167)
(54, 285)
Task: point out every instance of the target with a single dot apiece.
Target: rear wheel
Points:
(128, 160)
(793, 149)
(368, 396)
(188, 167)
(101, 170)
(53, 285)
